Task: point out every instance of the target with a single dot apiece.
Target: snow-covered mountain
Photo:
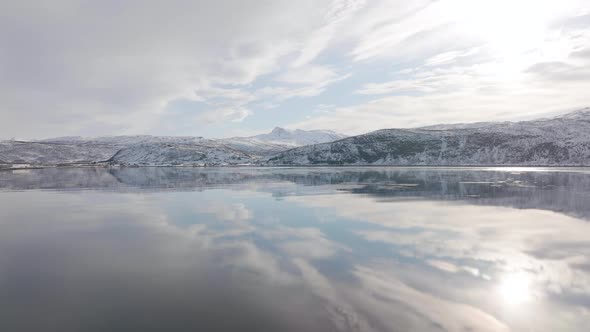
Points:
(145, 150)
(562, 140)
(77, 150)
(124, 140)
(167, 154)
(298, 137)
(40, 153)
(230, 151)
(280, 139)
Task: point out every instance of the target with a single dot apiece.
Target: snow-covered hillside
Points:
(298, 137)
(563, 140)
(280, 139)
(167, 154)
(124, 140)
(148, 150)
(156, 150)
(41, 153)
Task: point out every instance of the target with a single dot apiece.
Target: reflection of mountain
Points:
(562, 192)
(565, 191)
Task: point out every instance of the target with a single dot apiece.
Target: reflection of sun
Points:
(515, 288)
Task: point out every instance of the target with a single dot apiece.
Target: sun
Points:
(503, 25)
(515, 288)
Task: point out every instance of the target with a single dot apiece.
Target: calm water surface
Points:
(347, 249)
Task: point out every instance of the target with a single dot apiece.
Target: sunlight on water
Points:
(367, 249)
(515, 288)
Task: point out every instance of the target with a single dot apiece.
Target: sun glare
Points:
(515, 288)
(505, 25)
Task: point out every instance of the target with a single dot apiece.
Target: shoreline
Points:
(457, 167)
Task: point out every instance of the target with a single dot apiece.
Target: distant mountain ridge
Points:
(558, 141)
(299, 137)
(280, 139)
(146, 150)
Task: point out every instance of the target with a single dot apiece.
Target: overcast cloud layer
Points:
(223, 68)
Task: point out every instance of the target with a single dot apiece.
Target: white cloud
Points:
(107, 68)
(472, 86)
(450, 56)
(337, 14)
(306, 75)
(236, 114)
(312, 88)
(225, 95)
(532, 65)
(112, 68)
(387, 33)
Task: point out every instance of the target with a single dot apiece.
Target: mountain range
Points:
(558, 141)
(145, 150)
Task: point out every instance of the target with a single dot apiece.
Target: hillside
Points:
(280, 139)
(563, 140)
(557, 141)
(167, 154)
(145, 150)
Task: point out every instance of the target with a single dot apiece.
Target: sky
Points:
(239, 67)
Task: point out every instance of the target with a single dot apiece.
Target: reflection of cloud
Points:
(497, 239)
(387, 295)
(137, 250)
(442, 265)
(228, 212)
(307, 243)
(343, 314)
(309, 249)
(412, 265)
(246, 256)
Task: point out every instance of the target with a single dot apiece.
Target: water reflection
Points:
(564, 191)
(514, 288)
(181, 249)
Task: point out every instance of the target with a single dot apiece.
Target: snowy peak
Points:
(280, 139)
(279, 132)
(560, 140)
(298, 137)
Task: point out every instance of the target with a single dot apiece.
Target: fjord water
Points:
(279, 249)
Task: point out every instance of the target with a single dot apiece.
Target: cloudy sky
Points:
(234, 67)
